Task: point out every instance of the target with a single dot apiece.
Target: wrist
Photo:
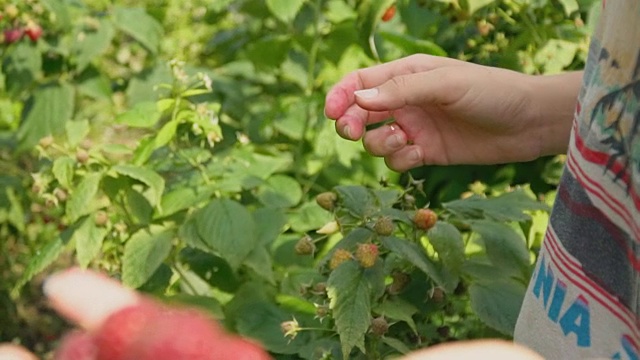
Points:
(553, 102)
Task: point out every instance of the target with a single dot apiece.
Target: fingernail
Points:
(414, 155)
(366, 93)
(393, 141)
(347, 131)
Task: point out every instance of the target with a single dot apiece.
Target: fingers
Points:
(439, 87)
(479, 349)
(15, 352)
(341, 96)
(87, 298)
(384, 140)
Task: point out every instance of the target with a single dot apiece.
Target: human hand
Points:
(448, 111)
(118, 323)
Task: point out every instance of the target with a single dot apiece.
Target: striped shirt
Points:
(583, 300)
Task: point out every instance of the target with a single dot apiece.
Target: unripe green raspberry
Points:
(367, 254)
(384, 226)
(319, 288)
(321, 311)
(379, 326)
(425, 219)
(339, 256)
(327, 200)
(305, 246)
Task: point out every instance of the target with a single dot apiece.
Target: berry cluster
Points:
(18, 24)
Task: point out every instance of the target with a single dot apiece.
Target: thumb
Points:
(440, 86)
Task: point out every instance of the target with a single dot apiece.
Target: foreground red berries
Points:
(13, 35)
(389, 13)
(149, 331)
(33, 31)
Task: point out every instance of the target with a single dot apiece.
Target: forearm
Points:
(553, 106)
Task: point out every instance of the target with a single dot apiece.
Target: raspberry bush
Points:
(180, 147)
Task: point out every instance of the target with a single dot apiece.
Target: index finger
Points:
(341, 97)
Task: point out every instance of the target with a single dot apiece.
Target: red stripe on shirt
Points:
(596, 189)
(562, 262)
(601, 158)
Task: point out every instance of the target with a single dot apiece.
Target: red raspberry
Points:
(33, 31)
(425, 219)
(13, 35)
(389, 13)
(76, 345)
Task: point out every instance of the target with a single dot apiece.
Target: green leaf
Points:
(16, 213)
(349, 295)
(202, 263)
(369, 15)
(45, 113)
(505, 248)
(271, 223)
(570, 6)
(285, 10)
(80, 200)
(280, 191)
(412, 45)
(143, 254)
(309, 217)
(506, 207)
(256, 316)
(148, 177)
(448, 243)
(138, 206)
(143, 115)
(76, 131)
(474, 5)
(94, 84)
(182, 198)
(139, 25)
(227, 227)
(88, 239)
(416, 255)
(166, 134)
(398, 309)
(498, 303)
(60, 10)
(359, 200)
(556, 55)
(92, 43)
(43, 257)
(21, 67)
(396, 344)
(259, 260)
